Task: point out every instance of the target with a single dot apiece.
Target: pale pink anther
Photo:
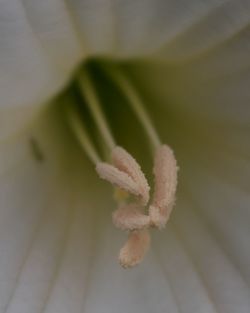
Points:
(165, 172)
(126, 174)
(135, 248)
(117, 178)
(130, 217)
(126, 163)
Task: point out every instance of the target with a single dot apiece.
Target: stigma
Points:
(136, 214)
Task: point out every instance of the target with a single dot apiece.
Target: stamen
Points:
(136, 105)
(165, 172)
(117, 178)
(126, 174)
(126, 163)
(135, 248)
(88, 91)
(81, 134)
(130, 217)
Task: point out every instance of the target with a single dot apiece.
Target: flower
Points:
(189, 62)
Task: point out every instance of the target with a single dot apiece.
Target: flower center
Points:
(114, 164)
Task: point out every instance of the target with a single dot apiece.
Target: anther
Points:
(135, 248)
(126, 163)
(165, 172)
(127, 175)
(130, 217)
(118, 178)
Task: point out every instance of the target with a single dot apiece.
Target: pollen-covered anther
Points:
(130, 217)
(165, 172)
(126, 174)
(126, 163)
(135, 248)
(117, 178)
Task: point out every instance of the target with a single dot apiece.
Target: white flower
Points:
(189, 62)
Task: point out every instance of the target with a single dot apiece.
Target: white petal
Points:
(38, 50)
(227, 213)
(49, 264)
(113, 289)
(14, 121)
(39, 198)
(215, 24)
(223, 280)
(139, 28)
(190, 291)
(42, 42)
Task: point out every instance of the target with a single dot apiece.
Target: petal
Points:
(21, 175)
(39, 49)
(215, 24)
(129, 290)
(43, 42)
(180, 271)
(223, 283)
(58, 256)
(51, 224)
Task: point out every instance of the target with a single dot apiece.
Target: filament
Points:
(137, 106)
(76, 124)
(88, 91)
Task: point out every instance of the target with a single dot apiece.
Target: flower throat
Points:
(136, 213)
